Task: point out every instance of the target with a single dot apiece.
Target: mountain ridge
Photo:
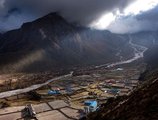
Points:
(57, 43)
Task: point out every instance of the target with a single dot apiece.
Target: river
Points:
(31, 88)
(138, 53)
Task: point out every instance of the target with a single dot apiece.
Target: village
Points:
(72, 97)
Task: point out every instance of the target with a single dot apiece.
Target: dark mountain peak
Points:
(50, 19)
(55, 15)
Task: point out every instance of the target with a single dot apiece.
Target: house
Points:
(113, 91)
(119, 69)
(53, 92)
(112, 81)
(134, 82)
(91, 106)
(118, 85)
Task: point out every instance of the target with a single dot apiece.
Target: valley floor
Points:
(93, 84)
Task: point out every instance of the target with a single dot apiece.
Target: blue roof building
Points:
(92, 104)
(113, 91)
(53, 92)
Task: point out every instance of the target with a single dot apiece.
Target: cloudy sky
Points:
(118, 16)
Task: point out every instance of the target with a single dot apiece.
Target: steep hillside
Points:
(151, 57)
(141, 104)
(51, 42)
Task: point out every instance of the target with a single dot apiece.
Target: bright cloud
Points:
(104, 21)
(127, 21)
(140, 6)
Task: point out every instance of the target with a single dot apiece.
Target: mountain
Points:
(51, 42)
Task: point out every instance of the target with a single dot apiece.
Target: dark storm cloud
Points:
(144, 21)
(14, 12)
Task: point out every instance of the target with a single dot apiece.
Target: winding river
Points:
(31, 88)
(138, 53)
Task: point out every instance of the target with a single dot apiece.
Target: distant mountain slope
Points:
(51, 42)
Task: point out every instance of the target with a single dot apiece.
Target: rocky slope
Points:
(51, 42)
(142, 104)
(151, 57)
